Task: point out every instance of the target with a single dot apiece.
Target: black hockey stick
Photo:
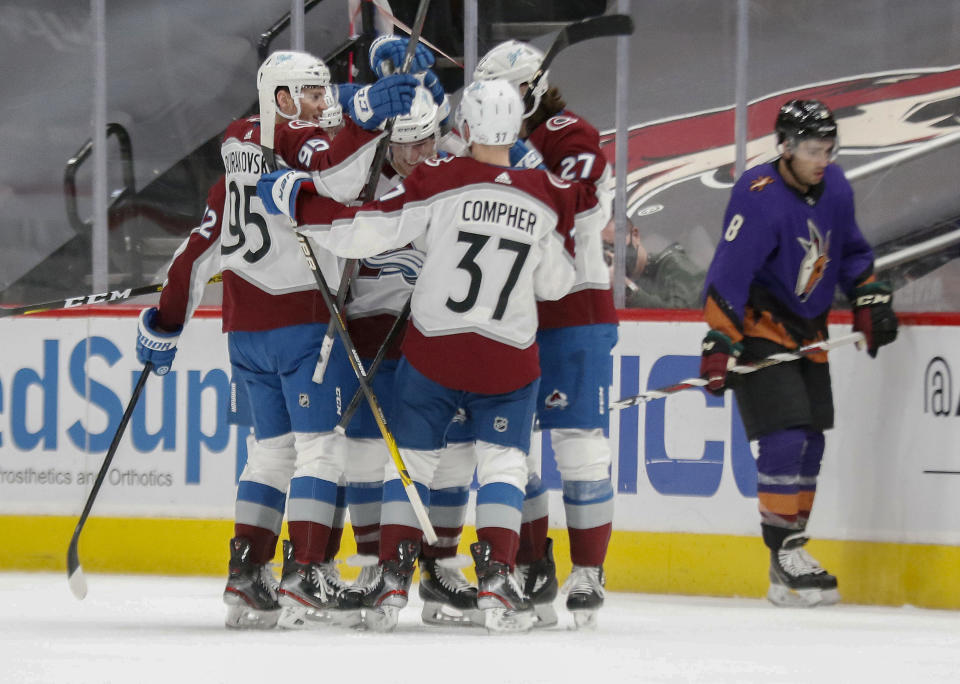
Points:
(371, 186)
(113, 297)
(75, 578)
(336, 321)
(83, 300)
(594, 27)
(370, 189)
(772, 360)
(395, 328)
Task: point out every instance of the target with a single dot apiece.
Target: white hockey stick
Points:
(771, 360)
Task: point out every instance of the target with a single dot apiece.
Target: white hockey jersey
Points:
(267, 283)
(495, 240)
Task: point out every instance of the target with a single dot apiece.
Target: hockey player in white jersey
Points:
(495, 240)
(275, 320)
(576, 337)
(379, 292)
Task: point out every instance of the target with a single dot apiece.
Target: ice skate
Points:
(793, 581)
(383, 602)
(448, 598)
(251, 591)
(830, 595)
(539, 582)
(309, 595)
(585, 594)
(499, 595)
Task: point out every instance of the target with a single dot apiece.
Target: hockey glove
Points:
(718, 354)
(390, 96)
(278, 191)
(524, 156)
(873, 315)
(155, 345)
(432, 83)
(345, 93)
(388, 52)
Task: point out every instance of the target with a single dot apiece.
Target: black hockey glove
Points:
(873, 315)
(719, 353)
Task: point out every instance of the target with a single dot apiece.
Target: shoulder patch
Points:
(437, 161)
(561, 121)
(300, 123)
(556, 181)
(760, 183)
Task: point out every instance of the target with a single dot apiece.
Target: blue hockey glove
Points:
(155, 345)
(432, 83)
(524, 156)
(387, 54)
(345, 93)
(278, 191)
(390, 96)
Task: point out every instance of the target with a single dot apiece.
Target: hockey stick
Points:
(336, 320)
(112, 297)
(594, 27)
(370, 188)
(75, 578)
(772, 360)
(395, 329)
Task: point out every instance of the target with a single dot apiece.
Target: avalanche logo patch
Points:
(556, 399)
(500, 424)
(814, 263)
(304, 400)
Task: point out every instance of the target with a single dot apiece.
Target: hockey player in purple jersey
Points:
(490, 235)
(790, 238)
(576, 336)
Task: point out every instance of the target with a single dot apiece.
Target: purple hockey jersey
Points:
(781, 257)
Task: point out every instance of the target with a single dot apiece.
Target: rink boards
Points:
(886, 520)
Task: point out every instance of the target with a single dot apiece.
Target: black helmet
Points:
(799, 119)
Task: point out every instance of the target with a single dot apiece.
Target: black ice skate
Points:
(828, 583)
(383, 602)
(539, 581)
(794, 581)
(310, 595)
(585, 594)
(448, 598)
(251, 591)
(499, 596)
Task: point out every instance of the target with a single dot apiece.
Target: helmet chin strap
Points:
(788, 161)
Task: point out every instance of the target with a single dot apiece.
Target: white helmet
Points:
(493, 111)
(294, 71)
(422, 121)
(517, 63)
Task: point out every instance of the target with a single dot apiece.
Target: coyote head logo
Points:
(814, 263)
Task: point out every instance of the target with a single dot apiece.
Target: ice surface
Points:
(169, 630)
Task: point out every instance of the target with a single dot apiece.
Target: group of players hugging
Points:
(487, 225)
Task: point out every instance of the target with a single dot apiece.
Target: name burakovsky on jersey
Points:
(243, 161)
(509, 215)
